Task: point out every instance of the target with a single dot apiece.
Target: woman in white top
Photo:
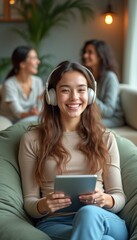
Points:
(22, 90)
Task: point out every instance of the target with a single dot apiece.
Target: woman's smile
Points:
(73, 106)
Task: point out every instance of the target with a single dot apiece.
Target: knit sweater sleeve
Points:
(28, 153)
(112, 180)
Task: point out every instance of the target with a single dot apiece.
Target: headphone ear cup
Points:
(91, 96)
(51, 97)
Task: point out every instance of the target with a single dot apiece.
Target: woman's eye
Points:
(65, 90)
(82, 90)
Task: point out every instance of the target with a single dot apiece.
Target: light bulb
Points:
(11, 2)
(108, 19)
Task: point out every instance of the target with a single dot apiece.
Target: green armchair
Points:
(15, 224)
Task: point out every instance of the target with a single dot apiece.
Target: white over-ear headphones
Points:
(51, 94)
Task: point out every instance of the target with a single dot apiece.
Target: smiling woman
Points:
(70, 140)
(98, 57)
(22, 90)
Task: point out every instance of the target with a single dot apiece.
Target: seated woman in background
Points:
(22, 90)
(97, 56)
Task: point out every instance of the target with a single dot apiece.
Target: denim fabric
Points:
(89, 223)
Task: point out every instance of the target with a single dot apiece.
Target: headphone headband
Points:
(51, 94)
(93, 81)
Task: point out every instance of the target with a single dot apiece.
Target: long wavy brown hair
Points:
(90, 129)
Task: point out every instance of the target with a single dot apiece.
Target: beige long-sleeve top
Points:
(28, 155)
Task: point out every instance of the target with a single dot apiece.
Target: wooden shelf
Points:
(8, 12)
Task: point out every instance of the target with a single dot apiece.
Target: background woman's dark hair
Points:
(19, 55)
(105, 53)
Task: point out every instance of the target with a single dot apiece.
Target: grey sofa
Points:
(14, 222)
(4, 122)
(128, 97)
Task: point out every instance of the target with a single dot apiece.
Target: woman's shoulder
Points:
(31, 136)
(111, 75)
(10, 81)
(37, 81)
(30, 142)
(109, 137)
(36, 78)
(111, 79)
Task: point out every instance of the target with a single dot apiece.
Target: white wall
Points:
(130, 59)
(66, 43)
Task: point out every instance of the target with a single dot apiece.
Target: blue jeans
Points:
(89, 223)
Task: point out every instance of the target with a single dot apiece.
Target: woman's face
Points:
(30, 65)
(90, 57)
(72, 95)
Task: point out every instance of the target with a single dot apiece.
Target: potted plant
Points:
(40, 16)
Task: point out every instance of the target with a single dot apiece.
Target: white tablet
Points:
(73, 186)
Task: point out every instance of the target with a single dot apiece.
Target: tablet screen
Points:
(73, 186)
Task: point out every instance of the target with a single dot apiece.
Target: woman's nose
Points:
(85, 54)
(74, 95)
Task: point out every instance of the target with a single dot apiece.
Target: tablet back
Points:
(73, 186)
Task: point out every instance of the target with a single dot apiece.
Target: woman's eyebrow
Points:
(64, 85)
(80, 85)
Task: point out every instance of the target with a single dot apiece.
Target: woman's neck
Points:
(23, 77)
(25, 82)
(70, 125)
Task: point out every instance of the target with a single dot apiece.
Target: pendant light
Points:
(109, 14)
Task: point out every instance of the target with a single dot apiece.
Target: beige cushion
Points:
(127, 132)
(0, 92)
(129, 101)
(4, 123)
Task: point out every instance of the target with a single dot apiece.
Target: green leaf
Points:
(43, 15)
(5, 64)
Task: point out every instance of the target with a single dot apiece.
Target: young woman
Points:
(71, 140)
(97, 56)
(22, 90)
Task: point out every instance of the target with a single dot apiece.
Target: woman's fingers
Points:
(96, 198)
(56, 201)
